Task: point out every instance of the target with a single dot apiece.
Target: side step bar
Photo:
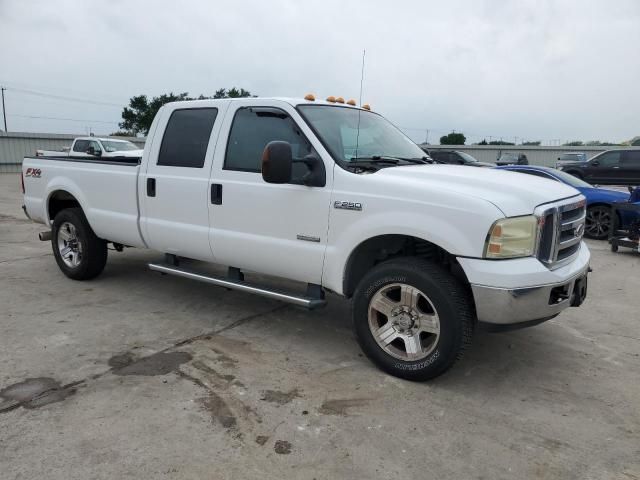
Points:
(302, 301)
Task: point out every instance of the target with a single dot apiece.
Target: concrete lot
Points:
(167, 378)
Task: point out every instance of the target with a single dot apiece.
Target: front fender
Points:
(459, 232)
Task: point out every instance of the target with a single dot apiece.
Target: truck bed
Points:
(105, 188)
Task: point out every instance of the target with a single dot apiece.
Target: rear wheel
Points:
(598, 222)
(80, 254)
(412, 318)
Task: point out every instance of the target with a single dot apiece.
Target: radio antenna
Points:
(362, 76)
(360, 104)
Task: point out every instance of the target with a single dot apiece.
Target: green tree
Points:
(575, 143)
(537, 143)
(453, 139)
(483, 142)
(122, 133)
(137, 117)
(500, 142)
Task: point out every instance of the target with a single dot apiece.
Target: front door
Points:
(174, 190)
(275, 229)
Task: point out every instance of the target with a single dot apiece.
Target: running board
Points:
(302, 301)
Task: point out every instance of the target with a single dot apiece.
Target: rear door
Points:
(175, 186)
(605, 168)
(630, 167)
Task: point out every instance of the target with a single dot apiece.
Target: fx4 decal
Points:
(33, 172)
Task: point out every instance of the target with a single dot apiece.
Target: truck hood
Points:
(512, 192)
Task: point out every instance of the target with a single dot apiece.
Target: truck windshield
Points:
(353, 135)
(118, 146)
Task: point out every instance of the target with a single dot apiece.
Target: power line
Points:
(64, 97)
(64, 119)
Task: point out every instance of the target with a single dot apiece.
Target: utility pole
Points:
(427, 137)
(4, 110)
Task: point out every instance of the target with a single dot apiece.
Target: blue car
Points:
(599, 200)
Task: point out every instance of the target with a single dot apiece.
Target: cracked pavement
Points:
(138, 375)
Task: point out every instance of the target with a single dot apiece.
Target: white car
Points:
(335, 197)
(96, 147)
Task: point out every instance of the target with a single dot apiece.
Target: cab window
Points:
(81, 146)
(253, 128)
(186, 137)
(608, 159)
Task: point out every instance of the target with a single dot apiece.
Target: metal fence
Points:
(15, 146)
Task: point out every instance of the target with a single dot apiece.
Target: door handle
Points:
(216, 194)
(151, 187)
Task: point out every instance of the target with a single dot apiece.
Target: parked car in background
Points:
(613, 167)
(571, 157)
(509, 158)
(95, 147)
(455, 157)
(599, 200)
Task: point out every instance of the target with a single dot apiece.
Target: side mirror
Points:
(276, 162)
(91, 151)
(595, 163)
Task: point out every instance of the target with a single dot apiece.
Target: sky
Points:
(530, 69)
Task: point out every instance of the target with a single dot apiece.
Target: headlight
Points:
(512, 237)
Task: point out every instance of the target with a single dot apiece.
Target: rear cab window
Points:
(186, 137)
(81, 146)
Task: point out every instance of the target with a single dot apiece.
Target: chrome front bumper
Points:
(502, 306)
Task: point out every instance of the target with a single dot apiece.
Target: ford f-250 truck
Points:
(335, 197)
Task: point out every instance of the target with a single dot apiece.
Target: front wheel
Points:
(80, 254)
(412, 318)
(598, 222)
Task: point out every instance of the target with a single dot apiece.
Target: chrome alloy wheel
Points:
(598, 221)
(404, 322)
(69, 245)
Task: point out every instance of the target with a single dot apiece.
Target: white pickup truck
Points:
(334, 197)
(96, 147)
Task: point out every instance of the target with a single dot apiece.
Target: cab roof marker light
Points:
(351, 102)
(331, 99)
(339, 100)
(366, 106)
(310, 97)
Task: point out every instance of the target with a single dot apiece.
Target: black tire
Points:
(614, 247)
(93, 256)
(598, 222)
(448, 298)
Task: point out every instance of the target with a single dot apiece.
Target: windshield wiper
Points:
(375, 159)
(420, 160)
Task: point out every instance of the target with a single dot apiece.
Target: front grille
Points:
(561, 230)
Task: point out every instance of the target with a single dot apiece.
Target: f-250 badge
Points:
(33, 172)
